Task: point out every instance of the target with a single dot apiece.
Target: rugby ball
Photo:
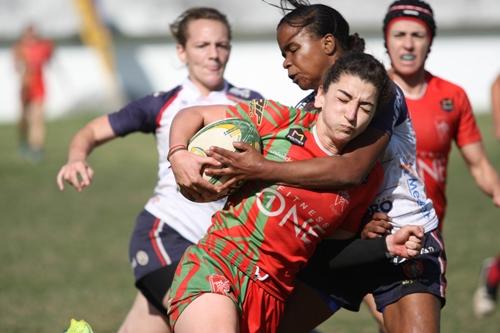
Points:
(223, 133)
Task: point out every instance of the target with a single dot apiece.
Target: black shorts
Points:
(155, 250)
(387, 281)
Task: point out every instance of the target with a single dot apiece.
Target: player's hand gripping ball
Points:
(222, 134)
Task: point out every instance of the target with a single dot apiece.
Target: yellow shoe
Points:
(79, 326)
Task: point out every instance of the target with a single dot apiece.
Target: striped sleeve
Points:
(141, 115)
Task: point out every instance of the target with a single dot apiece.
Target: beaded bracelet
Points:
(175, 149)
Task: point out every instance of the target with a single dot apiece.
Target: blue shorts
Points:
(155, 250)
(388, 282)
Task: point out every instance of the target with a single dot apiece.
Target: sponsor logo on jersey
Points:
(447, 104)
(427, 250)
(443, 130)
(258, 275)
(257, 107)
(436, 168)
(290, 208)
(219, 284)
(296, 136)
(416, 190)
(341, 202)
(384, 206)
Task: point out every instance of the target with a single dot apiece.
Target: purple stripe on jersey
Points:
(141, 115)
(242, 94)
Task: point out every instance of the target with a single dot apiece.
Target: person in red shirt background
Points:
(440, 111)
(31, 54)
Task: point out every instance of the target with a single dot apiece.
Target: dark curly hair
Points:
(320, 20)
(364, 66)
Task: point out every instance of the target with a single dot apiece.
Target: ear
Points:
(329, 44)
(319, 100)
(181, 53)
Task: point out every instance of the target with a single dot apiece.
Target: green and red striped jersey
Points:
(268, 230)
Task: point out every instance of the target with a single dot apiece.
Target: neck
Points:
(204, 90)
(413, 85)
(326, 140)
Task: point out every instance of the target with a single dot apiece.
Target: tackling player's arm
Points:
(406, 243)
(76, 171)
(326, 173)
(337, 172)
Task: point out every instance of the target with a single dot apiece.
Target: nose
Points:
(213, 52)
(286, 63)
(351, 113)
(408, 42)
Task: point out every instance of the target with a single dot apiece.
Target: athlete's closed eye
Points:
(225, 46)
(344, 97)
(202, 45)
(289, 49)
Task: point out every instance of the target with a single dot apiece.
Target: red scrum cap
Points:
(414, 9)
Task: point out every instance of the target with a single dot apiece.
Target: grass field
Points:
(64, 254)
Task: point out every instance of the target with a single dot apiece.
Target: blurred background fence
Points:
(466, 50)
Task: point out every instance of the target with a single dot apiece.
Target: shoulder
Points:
(396, 96)
(160, 98)
(143, 114)
(242, 94)
(393, 110)
(446, 87)
(150, 105)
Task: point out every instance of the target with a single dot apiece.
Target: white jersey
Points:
(154, 114)
(402, 195)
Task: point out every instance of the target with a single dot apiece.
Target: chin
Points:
(215, 84)
(407, 70)
(305, 85)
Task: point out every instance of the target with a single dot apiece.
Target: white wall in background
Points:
(75, 79)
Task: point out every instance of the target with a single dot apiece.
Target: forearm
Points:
(319, 173)
(328, 173)
(483, 172)
(95, 133)
(486, 177)
(81, 146)
(184, 125)
(188, 121)
(495, 105)
(360, 252)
